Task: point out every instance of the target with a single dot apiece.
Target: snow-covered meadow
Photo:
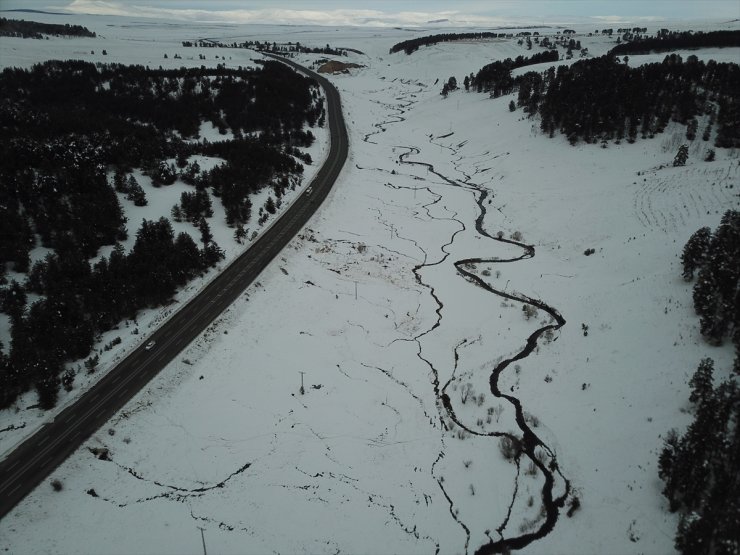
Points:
(366, 306)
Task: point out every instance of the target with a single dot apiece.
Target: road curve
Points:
(33, 460)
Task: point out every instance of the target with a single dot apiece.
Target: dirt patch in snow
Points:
(337, 67)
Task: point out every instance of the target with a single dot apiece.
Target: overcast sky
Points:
(397, 12)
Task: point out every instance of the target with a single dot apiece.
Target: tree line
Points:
(73, 134)
(603, 99)
(34, 30)
(495, 78)
(266, 46)
(716, 258)
(665, 41)
(700, 467)
(412, 45)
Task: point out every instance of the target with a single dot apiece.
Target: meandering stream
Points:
(528, 445)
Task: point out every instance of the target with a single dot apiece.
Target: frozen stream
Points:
(526, 445)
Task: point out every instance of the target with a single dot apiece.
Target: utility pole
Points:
(355, 290)
(303, 391)
(203, 539)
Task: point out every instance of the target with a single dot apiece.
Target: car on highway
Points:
(149, 346)
(309, 190)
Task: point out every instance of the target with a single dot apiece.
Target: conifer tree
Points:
(176, 213)
(701, 382)
(270, 205)
(240, 233)
(205, 232)
(136, 193)
(695, 252)
(681, 156)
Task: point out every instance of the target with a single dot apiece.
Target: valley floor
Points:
(395, 445)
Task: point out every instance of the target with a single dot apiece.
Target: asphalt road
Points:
(32, 461)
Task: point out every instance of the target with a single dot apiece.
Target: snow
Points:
(223, 439)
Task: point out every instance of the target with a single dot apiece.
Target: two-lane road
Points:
(31, 462)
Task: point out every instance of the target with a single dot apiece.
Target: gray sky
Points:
(397, 12)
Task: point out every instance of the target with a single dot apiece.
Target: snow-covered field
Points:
(368, 308)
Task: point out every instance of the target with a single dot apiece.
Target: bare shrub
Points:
(101, 453)
(573, 505)
(495, 411)
(466, 392)
(527, 525)
(531, 419)
(510, 447)
(68, 379)
(92, 364)
(529, 311)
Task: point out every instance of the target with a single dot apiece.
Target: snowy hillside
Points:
(384, 307)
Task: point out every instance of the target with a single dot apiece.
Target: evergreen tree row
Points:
(34, 30)
(602, 99)
(700, 468)
(266, 46)
(665, 41)
(716, 256)
(412, 45)
(495, 78)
